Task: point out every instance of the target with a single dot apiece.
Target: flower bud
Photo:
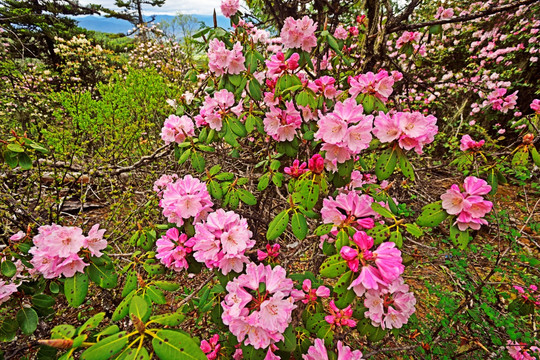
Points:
(316, 164)
(528, 138)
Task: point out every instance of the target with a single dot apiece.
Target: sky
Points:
(171, 7)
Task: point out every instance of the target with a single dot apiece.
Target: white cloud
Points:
(171, 7)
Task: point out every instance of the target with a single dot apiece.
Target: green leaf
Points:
(343, 296)
(43, 301)
(104, 276)
(278, 225)
(386, 163)
(414, 230)
(396, 238)
(310, 192)
(76, 288)
(379, 233)
(172, 345)
(342, 239)
(299, 225)
(28, 320)
(25, 161)
(254, 89)
(247, 197)
(435, 29)
(8, 268)
(197, 161)
(432, 215)
(235, 79)
(131, 283)
(333, 266)
(492, 180)
(249, 352)
(185, 155)
(156, 295)
(123, 308)
(63, 331)
(139, 307)
(11, 159)
(92, 323)
(15, 148)
(459, 238)
(323, 229)
(521, 157)
(288, 343)
(535, 155)
(167, 285)
(106, 348)
(381, 210)
(171, 319)
(135, 354)
(405, 165)
(237, 127)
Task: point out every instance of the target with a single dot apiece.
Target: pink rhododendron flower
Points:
(173, 248)
(6, 290)
(535, 105)
(268, 290)
(175, 129)
(280, 124)
(70, 265)
(216, 108)
(186, 198)
(18, 236)
(444, 14)
(223, 61)
(221, 241)
(211, 348)
(271, 254)
(467, 143)
(521, 351)
(297, 169)
(316, 164)
(278, 65)
(299, 34)
(229, 7)
(161, 184)
(310, 295)
(349, 209)
(500, 102)
(376, 268)
(412, 130)
(319, 352)
(340, 317)
(378, 85)
(94, 241)
(341, 33)
(469, 206)
(390, 307)
(408, 37)
(324, 85)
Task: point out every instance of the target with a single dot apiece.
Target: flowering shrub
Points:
(294, 213)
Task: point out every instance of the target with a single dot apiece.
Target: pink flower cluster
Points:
(467, 143)
(56, 249)
(216, 108)
(390, 307)
(531, 295)
(444, 14)
(379, 85)
(161, 184)
(6, 290)
(340, 317)
(535, 105)
(281, 124)
(349, 209)
(277, 64)
(211, 348)
(521, 351)
(324, 85)
(176, 129)
(500, 102)
(310, 295)
(271, 253)
(345, 131)
(173, 248)
(184, 199)
(410, 129)
(408, 37)
(258, 305)
(221, 241)
(319, 352)
(299, 34)
(469, 206)
(297, 169)
(377, 268)
(223, 61)
(316, 164)
(229, 7)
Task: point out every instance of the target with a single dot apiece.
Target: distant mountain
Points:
(111, 25)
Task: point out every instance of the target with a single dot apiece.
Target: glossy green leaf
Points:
(8, 268)
(299, 225)
(76, 288)
(386, 164)
(278, 225)
(106, 348)
(432, 215)
(28, 320)
(333, 266)
(172, 345)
